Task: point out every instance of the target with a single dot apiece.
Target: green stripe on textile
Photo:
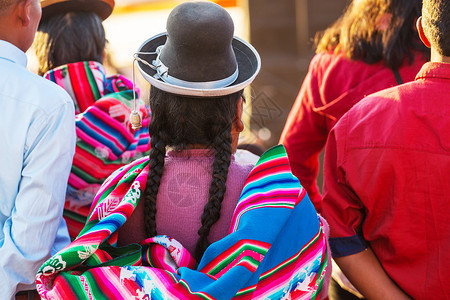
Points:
(92, 81)
(95, 290)
(259, 206)
(74, 216)
(121, 256)
(88, 226)
(131, 179)
(91, 150)
(319, 288)
(175, 280)
(293, 259)
(125, 97)
(103, 196)
(75, 284)
(198, 294)
(85, 176)
(246, 291)
(227, 261)
(94, 259)
(255, 263)
(273, 153)
(270, 205)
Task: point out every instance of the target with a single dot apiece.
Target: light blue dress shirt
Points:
(37, 143)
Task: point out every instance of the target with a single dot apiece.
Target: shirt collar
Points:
(434, 70)
(10, 52)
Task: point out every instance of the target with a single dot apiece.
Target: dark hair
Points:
(180, 121)
(374, 31)
(68, 38)
(436, 25)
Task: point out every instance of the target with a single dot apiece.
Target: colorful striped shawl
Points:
(276, 248)
(105, 139)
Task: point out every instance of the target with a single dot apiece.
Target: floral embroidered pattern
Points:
(107, 207)
(134, 193)
(88, 250)
(53, 265)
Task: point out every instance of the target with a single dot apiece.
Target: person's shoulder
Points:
(333, 59)
(245, 158)
(243, 162)
(337, 74)
(372, 105)
(27, 88)
(390, 96)
(322, 61)
(326, 56)
(380, 108)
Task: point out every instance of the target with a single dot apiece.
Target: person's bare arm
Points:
(366, 273)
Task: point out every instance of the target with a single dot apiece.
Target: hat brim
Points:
(248, 60)
(103, 8)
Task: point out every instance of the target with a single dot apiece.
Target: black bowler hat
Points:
(198, 56)
(103, 8)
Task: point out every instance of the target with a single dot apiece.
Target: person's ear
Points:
(422, 35)
(238, 117)
(24, 9)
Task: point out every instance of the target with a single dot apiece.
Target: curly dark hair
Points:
(68, 38)
(180, 121)
(436, 24)
(374, 31)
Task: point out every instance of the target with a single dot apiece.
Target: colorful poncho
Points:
(105, 139)
(276, 248)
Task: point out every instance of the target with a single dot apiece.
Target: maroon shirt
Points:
(387, 166)
(332, 86)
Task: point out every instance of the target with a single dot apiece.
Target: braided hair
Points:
(182, 121)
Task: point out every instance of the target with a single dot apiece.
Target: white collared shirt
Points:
(37, 143)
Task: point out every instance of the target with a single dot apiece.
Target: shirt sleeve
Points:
(342, 208)
(30, 233)
(305, 135)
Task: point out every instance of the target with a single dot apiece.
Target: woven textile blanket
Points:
(105, 138)
(275, 249)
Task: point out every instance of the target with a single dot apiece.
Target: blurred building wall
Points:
(282, 31)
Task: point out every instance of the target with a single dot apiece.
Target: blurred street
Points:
(282, 32)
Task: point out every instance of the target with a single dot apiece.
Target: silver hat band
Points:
(162, 72)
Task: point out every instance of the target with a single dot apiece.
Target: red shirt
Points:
(387, 168)
(332, 86)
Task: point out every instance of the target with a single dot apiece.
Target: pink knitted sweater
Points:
(183, 193)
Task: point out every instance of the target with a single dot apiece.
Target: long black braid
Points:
(156, 166)
(180, 121)
(211, 211)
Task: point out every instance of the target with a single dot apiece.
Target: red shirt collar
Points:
(434, 70)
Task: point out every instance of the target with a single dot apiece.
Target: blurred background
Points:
(282, 31)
